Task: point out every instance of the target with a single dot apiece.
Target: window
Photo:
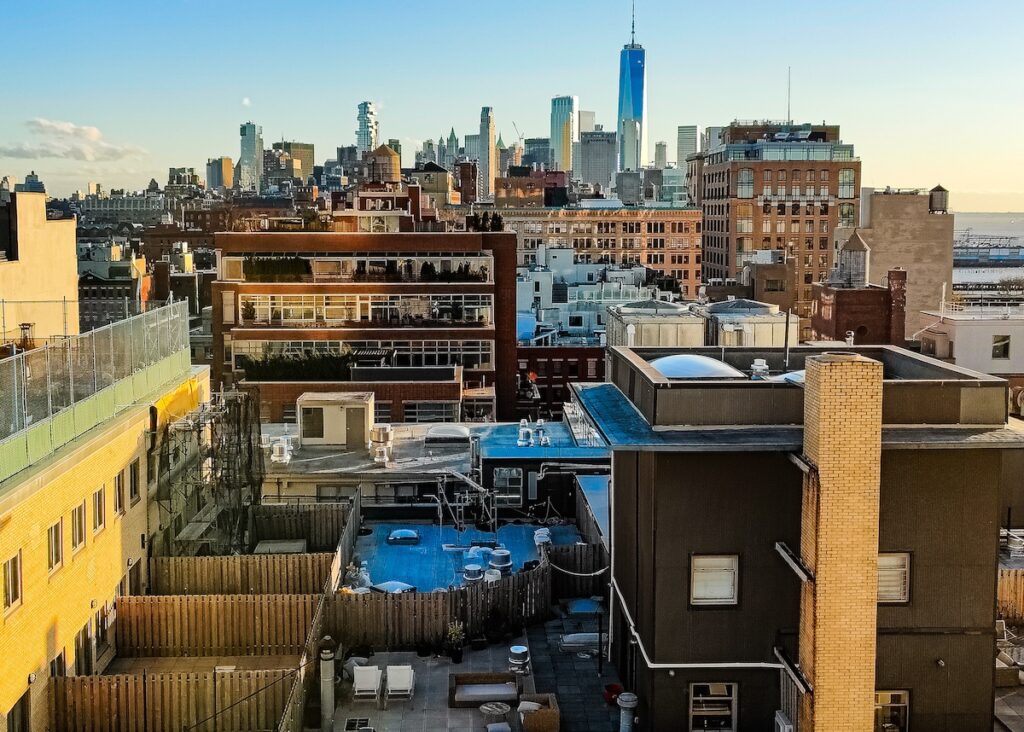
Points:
(78, 526)
(431, 411)
(381, 411)
(99, 509)
(575, 321)
(55, 543)
(312, 422)
(892, 711)
(58, 666)
(12, 582)
(119, 493)
(712, 706)
(846, 180)
(713, 579)
(134, 479)
(1001, 346)
(774, 286)
(894, 577)
(846, 214)
(288, 414)
(508, 486)
(745, 183)
(18, 719)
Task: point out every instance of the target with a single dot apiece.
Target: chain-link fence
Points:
(38, 384)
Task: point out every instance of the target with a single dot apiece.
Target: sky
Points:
(117, 92)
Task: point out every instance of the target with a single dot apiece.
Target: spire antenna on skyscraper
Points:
(632, 26)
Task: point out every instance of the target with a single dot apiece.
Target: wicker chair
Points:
(546, 719)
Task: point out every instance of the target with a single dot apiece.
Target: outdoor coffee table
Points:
(495, 711)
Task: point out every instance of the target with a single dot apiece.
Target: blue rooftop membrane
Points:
(499, 441)
(427, 566)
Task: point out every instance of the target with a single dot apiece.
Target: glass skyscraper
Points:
(564, 130)
(632, 121)
(366, 134)
(250, 161)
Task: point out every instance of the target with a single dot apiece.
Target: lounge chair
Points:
(401, 682)
(366, 682)
(581, 643)
(1004, 638)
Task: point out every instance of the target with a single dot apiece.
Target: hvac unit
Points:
(281, 452)
(782, 723)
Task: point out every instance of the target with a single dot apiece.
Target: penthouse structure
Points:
(800, 537)
(312, 305)
(775, 186)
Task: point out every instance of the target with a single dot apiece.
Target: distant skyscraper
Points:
(587, 120)
(632, 121)
(564, 130)
(488, 153)
(301, 154)
(686, 144)
(250, 161)
(366, 135)
(32, 184)
(452, 150)
(597, 155)
(661, 155)
(537, 151)
(220, 173)
(711, 138)
(472, 148)
(395, 144)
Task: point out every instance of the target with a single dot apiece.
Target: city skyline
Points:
(906, 100)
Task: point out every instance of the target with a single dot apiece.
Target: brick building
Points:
(416, 299)
(666, 240)
(816, 543)
(775, 186)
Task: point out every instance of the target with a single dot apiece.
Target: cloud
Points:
(63, 129)
(68, 141)
(246, 102)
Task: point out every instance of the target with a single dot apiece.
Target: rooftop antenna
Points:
(632, 26)
(789, 94)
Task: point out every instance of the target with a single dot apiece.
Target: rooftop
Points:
(419, 452)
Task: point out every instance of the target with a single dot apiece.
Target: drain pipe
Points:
(627, 703)
(326, 684)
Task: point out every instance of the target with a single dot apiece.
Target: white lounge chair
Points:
(366, 682)
(401, 682)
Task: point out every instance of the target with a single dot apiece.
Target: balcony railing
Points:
(375, 323)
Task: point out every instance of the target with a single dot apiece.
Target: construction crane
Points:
(518, 133)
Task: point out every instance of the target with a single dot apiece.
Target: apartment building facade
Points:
(667, 240)
(77, 457)
(822, 552)
(775, 186)
(411, 300)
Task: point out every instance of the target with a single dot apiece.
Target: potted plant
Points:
(248, 312)
(455, 639)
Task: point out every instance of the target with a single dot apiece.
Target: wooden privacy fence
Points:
(409, 619)
(292, 717)
(213, 625)
(1010, 596)
(580, 559)
(208, 701)
(247, 574)
(320, 524)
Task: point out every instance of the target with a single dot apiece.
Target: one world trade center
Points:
(632, 126)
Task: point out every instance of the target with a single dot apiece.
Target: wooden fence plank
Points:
(257, 574)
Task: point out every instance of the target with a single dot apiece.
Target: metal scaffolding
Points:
(210, 472)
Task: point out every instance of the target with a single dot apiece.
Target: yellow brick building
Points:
(76, 524)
